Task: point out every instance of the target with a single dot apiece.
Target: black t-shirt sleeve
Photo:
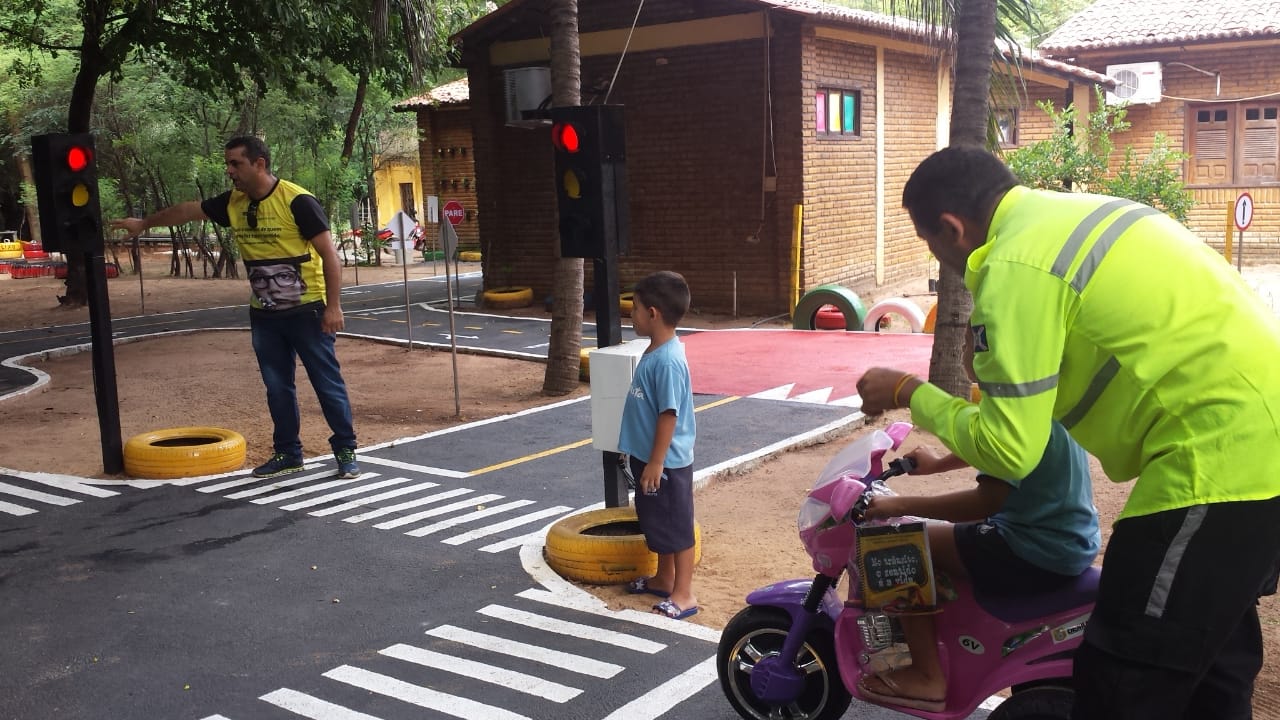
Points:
(215, 208)
(309, 216)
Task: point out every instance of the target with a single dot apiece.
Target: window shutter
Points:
(1211, 156)
(1260, 149)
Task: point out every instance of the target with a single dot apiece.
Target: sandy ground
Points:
(747, 519)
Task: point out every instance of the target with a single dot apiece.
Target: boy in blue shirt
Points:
(658, 433)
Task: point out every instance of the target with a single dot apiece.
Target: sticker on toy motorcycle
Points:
(895, 569)
(972, 644)
(1021, 639)
(1069, 629)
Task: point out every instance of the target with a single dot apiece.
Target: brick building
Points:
(447, 154)
(1206, 74)
(738, 112)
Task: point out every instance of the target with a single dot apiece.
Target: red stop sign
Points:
(453, 212)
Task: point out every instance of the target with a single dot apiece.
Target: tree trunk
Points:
(353, 120)
(975, 29)
(563, 359)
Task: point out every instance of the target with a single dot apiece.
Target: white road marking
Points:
(312, 707)
(321, 500)
(511, 679)
(555, 658)
(453, 705)
(460, 519)
(364, 502)
(506, 525)
(415, 517)
(572, 629)
(36, 495)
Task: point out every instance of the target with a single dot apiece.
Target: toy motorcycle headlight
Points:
(812, 514)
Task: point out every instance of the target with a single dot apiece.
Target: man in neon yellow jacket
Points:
(1148, 347)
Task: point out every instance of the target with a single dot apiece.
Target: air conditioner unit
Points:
(528, 89)
(1138, 83)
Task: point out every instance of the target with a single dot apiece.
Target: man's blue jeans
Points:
(278, 342)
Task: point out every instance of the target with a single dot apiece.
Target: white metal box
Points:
(611, 371)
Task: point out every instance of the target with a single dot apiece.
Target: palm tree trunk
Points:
(563, 359)
(975, 29)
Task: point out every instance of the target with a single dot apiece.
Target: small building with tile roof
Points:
(757, 131)
(1206, 75)
(447, 154)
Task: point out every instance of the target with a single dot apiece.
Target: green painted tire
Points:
(847, 301)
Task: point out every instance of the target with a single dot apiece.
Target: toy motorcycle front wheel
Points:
(808, 689)
(1045, 702)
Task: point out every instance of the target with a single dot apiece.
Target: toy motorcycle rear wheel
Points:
(1043, 702)
(757, 633)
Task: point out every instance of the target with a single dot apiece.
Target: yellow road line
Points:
(580, 443)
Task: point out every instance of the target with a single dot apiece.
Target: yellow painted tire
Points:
(931, 319)
(508, 297)
(10, 246)
(626, 301)
(183, 452)
(584, 363)
(615, 556)
(469, 256)
(10, 254)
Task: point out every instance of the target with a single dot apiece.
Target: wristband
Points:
(902, 381)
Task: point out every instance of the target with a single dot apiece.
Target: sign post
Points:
(455, 214)
(402, 225)
(1243, 217)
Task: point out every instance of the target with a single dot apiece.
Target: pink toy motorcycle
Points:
(797, 652)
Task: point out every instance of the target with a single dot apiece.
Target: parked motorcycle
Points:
(797, 652)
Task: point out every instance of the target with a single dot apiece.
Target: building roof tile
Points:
(1125, 24)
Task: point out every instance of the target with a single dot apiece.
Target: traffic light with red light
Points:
(66, 178)
(591, 179)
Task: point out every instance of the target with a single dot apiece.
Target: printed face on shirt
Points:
(277, 286)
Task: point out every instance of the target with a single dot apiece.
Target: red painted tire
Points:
(829, 317)
(35, 254)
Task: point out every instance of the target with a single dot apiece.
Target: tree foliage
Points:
(1071, 160)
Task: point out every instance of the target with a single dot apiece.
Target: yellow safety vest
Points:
(1141, 340)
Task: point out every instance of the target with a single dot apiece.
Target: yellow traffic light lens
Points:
(78, 158)
(572, 186)
(80, 195)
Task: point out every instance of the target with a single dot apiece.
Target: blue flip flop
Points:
(640, 586)
(674, 611)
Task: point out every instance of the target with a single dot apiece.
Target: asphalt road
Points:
(416, 591)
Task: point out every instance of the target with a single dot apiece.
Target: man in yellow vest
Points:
(295, 309)
(1115, 320)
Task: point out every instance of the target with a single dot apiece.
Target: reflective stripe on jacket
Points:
(1114, 319)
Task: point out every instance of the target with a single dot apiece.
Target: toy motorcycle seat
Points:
(1020, 608)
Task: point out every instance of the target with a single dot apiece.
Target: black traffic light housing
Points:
(66, 177)
(591, 179)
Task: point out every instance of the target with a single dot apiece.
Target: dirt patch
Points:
(747, 520)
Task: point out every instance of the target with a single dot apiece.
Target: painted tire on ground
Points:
(10, 246)
(469, 256)
(10, 254)
(604, 547)
(829, 317)
(584, 363)
(508, 297)
(183, 452)
(931, 319)
(35, 254)
(901, 307)
(626, 301)
(845, 300)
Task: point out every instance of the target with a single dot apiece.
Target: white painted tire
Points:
(901, 307)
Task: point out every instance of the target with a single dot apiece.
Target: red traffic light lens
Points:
(78, 158)
(565, 137)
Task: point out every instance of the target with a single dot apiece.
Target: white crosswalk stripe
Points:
(19, 500)
(436, 678)
(323, 495)
(453, 705)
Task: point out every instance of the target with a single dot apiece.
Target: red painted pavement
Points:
(746, 362)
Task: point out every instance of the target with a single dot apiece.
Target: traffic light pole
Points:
(104, 359)
(609, 332)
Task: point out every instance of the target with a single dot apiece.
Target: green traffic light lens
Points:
(572, 186)
(80, 195)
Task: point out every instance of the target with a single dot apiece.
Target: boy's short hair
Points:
(667, 292)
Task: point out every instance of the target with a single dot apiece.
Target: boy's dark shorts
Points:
(666, 517)
(994, 567)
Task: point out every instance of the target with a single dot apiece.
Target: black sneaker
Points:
(279, 464)
(348, 468)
